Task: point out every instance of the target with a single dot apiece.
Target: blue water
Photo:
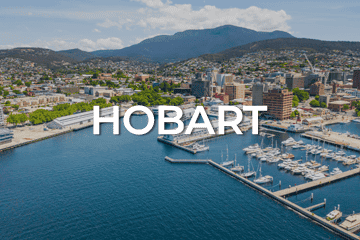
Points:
(81, 186)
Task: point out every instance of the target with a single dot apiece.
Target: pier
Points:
(303, 211)
(335, 138)
(317, 206)
(318, 183)
(203, 161)
(182, 144)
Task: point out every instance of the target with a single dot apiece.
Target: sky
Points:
(108, 24)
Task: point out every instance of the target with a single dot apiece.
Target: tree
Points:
(18, 82)
(323, 105)
(295, 98)
(292, 115)
(302, 95)
(314, 103)
(346, 107)
(16, 91)
(5, 93)
(28, 84)
(317, 97)
(295, 103)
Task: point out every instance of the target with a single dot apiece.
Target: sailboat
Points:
(262, 180)
(227, 163)
(237, 168)
(249, 173)
(200, 148)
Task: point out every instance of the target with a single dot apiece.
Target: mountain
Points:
(192, 43)
(47, 57)
(310, 45)
(77, 54)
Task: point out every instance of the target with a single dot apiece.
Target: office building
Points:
(258, 91)
(223, 79)
(235, 91)
(200, 88)
(356, 79)
(294, 81)
(279, 103)
(317, 88)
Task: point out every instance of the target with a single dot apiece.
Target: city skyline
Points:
(115, 25)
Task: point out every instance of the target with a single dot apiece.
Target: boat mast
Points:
(227, 153)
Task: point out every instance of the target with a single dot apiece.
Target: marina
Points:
(274, 149)
(304, 211)
(314, 184)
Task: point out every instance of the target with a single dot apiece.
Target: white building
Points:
(78, 118)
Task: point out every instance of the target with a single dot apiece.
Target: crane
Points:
(311, 66)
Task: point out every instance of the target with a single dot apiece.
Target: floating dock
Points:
(318, 183)
(303, 211)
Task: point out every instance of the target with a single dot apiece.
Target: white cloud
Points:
(83, 44)
(140, 39)
(180, 17)
(152, 3)
(96, 30)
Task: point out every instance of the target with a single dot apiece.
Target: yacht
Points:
(323, 168)
(262, 180)
(349, 162)
(251, 147)
(237, 168)
(317, 176)
(249, 173)
(298, 170)
(200, 148)
(341, 153)
(226, 163)
(263, 159)
(334, 216)
(351, 223)
(335, 171)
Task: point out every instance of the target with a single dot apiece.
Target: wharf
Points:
(317, 206)
(203, 161)
(182, 144)
(323, 222)
(318, 183)
(334, 138)
(282, 129)
(172, 143)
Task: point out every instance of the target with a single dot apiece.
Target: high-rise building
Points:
(317, 88)
(201, 88)
(258, 91)
(279, 103)
(294, 81)
(235, 91)
(223, 79)
(356, 79)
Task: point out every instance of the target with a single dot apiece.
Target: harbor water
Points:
(82, 186)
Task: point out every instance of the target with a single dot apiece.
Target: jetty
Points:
(317, 206)
(303, 211)
(183, 143)
(335, 138)
(318, 183)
